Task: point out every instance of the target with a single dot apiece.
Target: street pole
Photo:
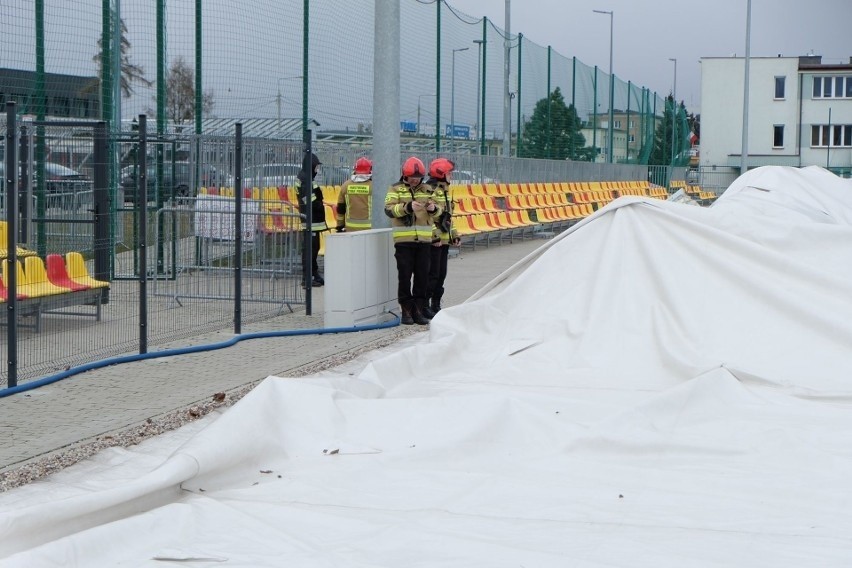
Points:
(674, 107)
(278, 97)
(611, 86)
(453, 99)
(478, 43)
(744, 152)
(507, 101)
(418, 109)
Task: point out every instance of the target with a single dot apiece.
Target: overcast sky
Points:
(649, 32)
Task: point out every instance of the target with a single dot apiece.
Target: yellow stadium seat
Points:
(79, 273)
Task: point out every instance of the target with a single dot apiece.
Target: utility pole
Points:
(507, 98)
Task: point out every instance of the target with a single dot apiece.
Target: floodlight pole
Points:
(744, 152)
(674, 107)
(611, 85)
(453, 99)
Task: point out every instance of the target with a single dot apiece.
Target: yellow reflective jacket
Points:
(444, 223)
(410, 226)
(355, 204)
(318, 223)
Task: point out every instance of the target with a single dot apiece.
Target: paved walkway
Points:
(36, 423)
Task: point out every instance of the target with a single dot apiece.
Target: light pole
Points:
(278, 97)
(507, 104)
(611, 85)
(453, 98)
(744, 152)
(478, 43)
(418, 109)
(674, 106)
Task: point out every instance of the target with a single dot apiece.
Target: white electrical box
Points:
(360, 278)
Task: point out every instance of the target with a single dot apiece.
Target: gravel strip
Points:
(43, 466)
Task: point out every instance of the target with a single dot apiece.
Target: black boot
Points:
(418, 317)
(435, 304)
(406, 318)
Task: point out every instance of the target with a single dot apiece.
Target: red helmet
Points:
(440, 167)
(413, 167)
(363, 166)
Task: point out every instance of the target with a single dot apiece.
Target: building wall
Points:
(722, 85)
(815, 111)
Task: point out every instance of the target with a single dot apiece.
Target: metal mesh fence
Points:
(197, 69)
(195, 65)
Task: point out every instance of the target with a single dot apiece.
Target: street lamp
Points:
(278, 97)
(744, 152)
(418, 109)
(611, 83)
(479, 43)
(453, 98)
(674, 106)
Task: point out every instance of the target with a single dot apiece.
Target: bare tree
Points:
(180, 93)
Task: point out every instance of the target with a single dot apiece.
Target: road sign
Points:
(460, 131)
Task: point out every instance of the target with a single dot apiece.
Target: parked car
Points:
(177, 180)
(58, 179)
(271, 175)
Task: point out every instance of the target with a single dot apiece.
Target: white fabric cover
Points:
(661, 385)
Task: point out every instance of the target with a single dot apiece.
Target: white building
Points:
(799, 114)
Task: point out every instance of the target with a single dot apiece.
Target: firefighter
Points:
(413, 213)
(355, 200)
(439, 179)
(310, 192)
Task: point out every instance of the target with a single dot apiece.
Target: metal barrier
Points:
(200, 253)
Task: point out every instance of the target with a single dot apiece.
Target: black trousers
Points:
(412, 266)
(315, 246)
(438, 272)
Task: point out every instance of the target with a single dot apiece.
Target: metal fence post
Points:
(238, 227)
(24, 213)
(103, 211)
(12, 243)
(307, 190)
(141, 205)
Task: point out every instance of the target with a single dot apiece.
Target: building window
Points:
(837, 87)
(779, 87)
(632, 138)
(778, 136)
(840, 135)
(616, 123)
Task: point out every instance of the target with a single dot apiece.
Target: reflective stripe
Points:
(414, 233)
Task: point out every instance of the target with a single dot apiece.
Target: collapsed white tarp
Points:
(662, 385)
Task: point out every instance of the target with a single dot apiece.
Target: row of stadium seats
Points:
(693, 191)
(578, 192)
(36, 279)
(4, 239)
(59, 283)
(552, 203)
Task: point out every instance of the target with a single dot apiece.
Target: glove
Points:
(341, 228)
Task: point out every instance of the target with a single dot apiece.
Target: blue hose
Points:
(185, 350)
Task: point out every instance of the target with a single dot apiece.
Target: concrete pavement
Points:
(92, 405)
